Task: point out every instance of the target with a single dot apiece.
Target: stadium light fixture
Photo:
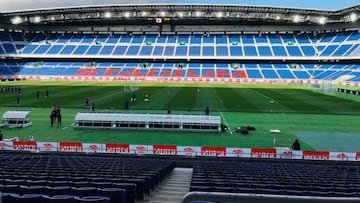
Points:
(353, 17)
(127, 14)
(322, 20)
(52, 18)
(277, 17)
(181, 14)
(107, 15)
(37, 19)
(198, 14)
(144, 13)
(219, 14)
(296, 18)
(16, 20)
(162, 13)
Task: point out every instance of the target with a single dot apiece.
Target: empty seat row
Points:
(38, 198)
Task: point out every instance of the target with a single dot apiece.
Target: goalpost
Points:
(282, 142)
(130, 85)
(327, 87)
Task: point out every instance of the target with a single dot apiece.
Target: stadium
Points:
(198, 103)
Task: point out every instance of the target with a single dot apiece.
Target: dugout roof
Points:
(16, 114)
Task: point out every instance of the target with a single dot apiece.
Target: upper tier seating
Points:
(265, 45)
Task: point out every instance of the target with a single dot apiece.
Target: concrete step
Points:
(171, 190)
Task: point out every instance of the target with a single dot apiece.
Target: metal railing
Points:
(262, 198)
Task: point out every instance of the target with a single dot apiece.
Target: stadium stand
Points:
(329, 44)
(122, 180)
(303, 179)
(250, 45)
(180, 46)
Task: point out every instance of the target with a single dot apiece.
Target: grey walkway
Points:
(172, 189)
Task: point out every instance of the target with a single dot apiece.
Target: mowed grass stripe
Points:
(292, 101)
(237, 99)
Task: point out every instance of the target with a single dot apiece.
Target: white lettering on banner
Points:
(213, 153)
(316, 157)
(71, 148)
(117, 150)
(165, 151)
(25, 147)
(263, 155)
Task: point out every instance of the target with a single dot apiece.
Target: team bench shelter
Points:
(16, 119)
(149, 121)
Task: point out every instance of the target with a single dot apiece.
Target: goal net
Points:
(130, 86)
(326, 87)
(282, 142)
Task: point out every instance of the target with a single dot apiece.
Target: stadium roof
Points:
(178, 14)
(12, 5)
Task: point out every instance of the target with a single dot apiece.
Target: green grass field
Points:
(288, 108)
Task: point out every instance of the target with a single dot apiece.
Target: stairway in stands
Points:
(172, 189)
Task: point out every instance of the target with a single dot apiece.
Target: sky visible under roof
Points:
(13, 5)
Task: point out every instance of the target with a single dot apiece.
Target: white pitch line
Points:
(64, 128)
(258, 93)
(222, 115)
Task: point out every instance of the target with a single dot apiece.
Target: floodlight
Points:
(162, 13)
(127, 14)
(52, 18)
(353, 17)
(144, 13)
(238, 15)
(322, 20)
(277, 17)
(180, 14)
(296, 18)
(198, 13)
(37, 19)
(219, 14)
(16, 20)
(107, 15)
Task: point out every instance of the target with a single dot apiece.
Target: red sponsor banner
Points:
(213, 151)
(117, 148)
(357, 157)
(70, 147)
(312, 155)
(263, 153)
(24, 145)
(164, 150)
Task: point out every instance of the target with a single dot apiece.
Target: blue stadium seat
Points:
(95, 199)
(60, 199)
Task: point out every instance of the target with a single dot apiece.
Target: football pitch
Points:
(291, 109)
